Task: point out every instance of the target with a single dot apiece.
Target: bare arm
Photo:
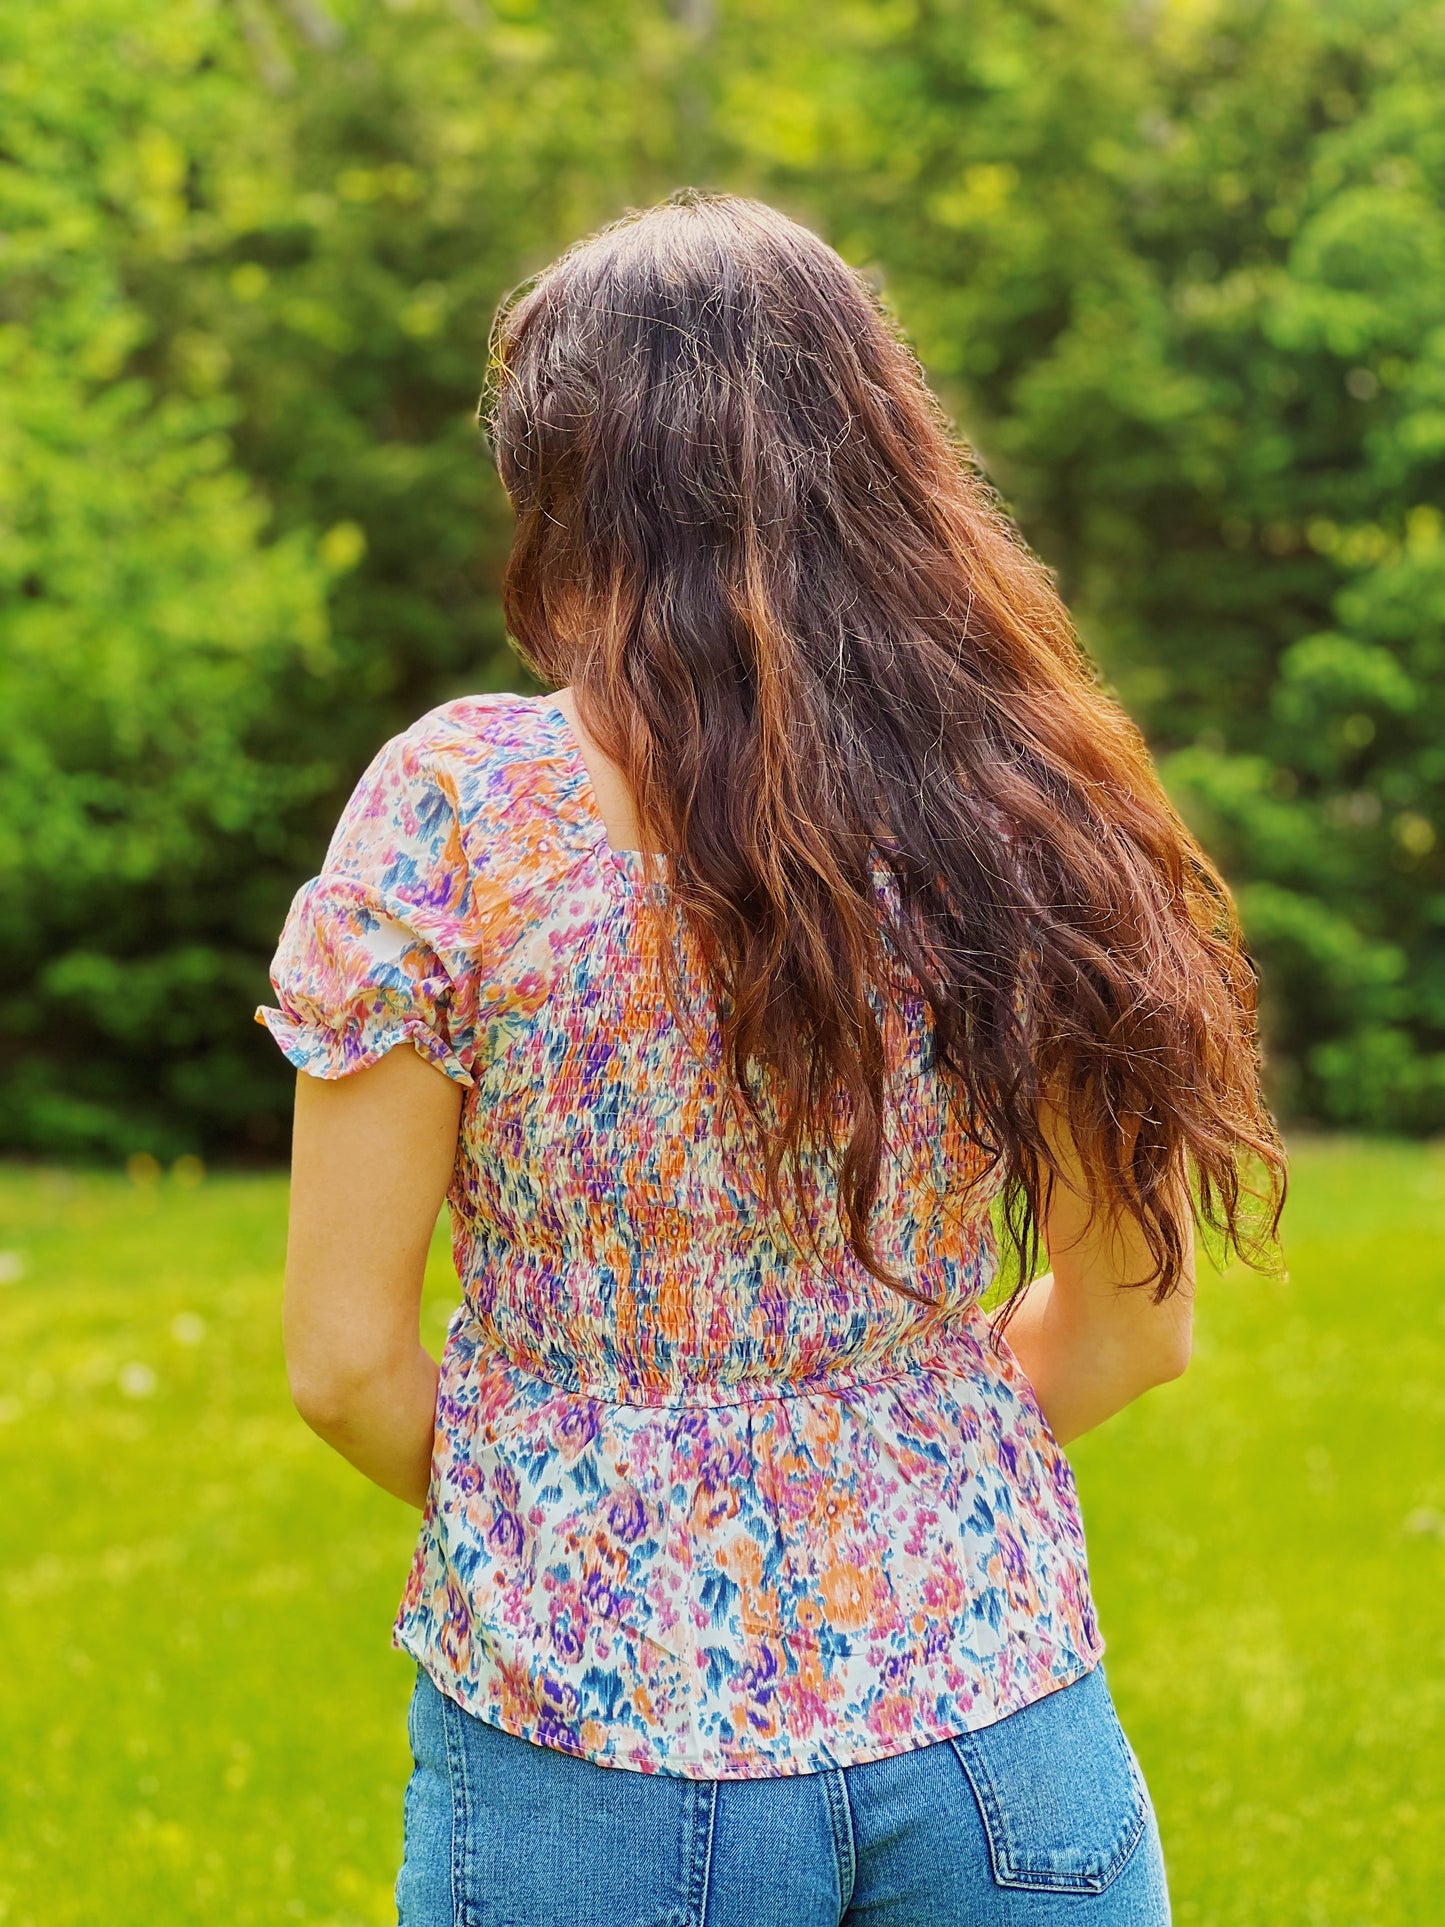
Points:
(1088, 1345)
(371, 1159)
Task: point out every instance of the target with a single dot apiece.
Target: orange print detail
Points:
(848, 1594)
(672, 1307)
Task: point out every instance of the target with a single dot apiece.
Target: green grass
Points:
(202, 1718)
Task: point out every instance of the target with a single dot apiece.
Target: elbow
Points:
(337, 1369)
(1171, 1357)
(317, 1396)
(325, 1394)
(1173, 1364)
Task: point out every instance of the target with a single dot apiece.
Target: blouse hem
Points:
(828, 1759)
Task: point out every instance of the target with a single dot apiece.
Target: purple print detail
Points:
(626, 1517)
(577, 1423)
(505, 1533)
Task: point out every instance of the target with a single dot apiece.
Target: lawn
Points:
(202, 1718)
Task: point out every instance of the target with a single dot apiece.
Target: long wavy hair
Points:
(794, 613)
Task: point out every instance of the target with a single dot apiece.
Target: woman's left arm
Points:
(372, 1156)
(1088, 1333)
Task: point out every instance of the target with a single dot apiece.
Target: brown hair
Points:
(794, 613)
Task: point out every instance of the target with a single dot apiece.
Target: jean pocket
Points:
(1059, 1791)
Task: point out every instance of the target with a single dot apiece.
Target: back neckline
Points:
(628, 864)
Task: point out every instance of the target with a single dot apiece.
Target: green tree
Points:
(1179, 270)
(246, 528)
(150, 613)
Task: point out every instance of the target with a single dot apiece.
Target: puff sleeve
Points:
(373, 952)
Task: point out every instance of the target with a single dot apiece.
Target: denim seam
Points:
(461, 1809)
(840, 1814)
(699, 1870)
(988, 1805)
(1142, 1803)
(1137, 1825)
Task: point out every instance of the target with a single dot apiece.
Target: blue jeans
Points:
(1041, 1820)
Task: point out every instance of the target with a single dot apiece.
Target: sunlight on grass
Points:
(203, 1719)
(1268, 1543)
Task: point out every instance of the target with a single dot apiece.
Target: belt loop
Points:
(840, 1813)
(699, 1872)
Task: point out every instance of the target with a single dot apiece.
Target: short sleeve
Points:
(373, 951)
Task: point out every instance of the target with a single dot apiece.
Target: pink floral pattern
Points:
(700, 1504)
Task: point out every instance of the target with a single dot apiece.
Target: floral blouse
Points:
(699, 1504)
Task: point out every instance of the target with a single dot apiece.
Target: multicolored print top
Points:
(699, 1504)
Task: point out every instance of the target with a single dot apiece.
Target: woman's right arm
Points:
(1088, 1335)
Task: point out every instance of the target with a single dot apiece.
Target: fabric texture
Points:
(1040, 1820)
(702, 1502)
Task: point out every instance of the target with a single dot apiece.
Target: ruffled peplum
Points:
(792, 1580)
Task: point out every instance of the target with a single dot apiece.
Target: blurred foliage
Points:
(1178, 268)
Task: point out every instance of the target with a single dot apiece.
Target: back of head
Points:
(793, 612)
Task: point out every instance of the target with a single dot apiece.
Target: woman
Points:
(826, 916)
